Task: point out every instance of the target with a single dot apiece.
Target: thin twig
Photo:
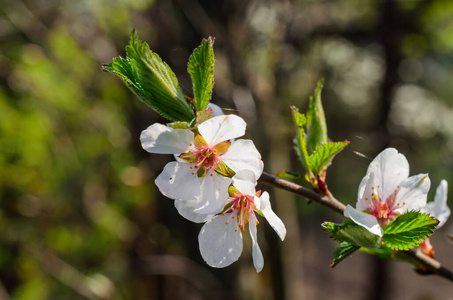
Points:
(430, 264)
(332, 203)
(329, 202)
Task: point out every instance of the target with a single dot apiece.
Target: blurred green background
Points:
(80, 216)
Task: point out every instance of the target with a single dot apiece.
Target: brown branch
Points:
(329, 202)
(430, 264)
(332, 203)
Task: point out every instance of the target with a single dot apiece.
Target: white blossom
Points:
(207, 160)
(387, 192)
(220, 238)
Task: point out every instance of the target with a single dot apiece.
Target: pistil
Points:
(384, 211)
(242, 207)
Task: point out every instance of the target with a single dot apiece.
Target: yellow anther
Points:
(226, 223)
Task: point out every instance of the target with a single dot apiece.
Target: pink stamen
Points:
(241, 206)
(384, 211)
(202, 158)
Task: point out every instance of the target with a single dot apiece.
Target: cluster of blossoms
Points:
(387, 191)
(213, 181)
(214, 176)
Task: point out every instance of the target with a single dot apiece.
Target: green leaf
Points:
(289, 175)
(343, 251)
(201, 70)
(203, 115)
(382, 252)
(352, 233)
(151, 80)
(331, 228)
(300, 145)
(179, 125)
(323, 155)
(409, 230)
(316, 121)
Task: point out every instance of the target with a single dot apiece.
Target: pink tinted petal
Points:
(412, 193)
(214, 193)
(390, 169)
(258, 260)
(439, 208)
(177, 182)
(369, 222)
(161, 139)
(245, 182)
(366, 189)
(271, 217)
(222, 128)
(243, 154)
(220, 244)
(186, 209)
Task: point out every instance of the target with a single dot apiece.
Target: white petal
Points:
(245, 182)
(177, 182)
(222, 128)
(439, 208)
(214, 193)
(216, 110)
(413, 193)
(186, 209)
(366, 188)
(369, 222)
(220, 244)
(257, 202)
(158, 138)
(276, 223)
(362, 186)
(390, 169)
(258, 260)
(243, 154)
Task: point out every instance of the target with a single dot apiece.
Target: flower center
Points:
(204, 158)
(242, 207)
(384, 211)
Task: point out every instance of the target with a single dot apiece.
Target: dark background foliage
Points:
(80, 217)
